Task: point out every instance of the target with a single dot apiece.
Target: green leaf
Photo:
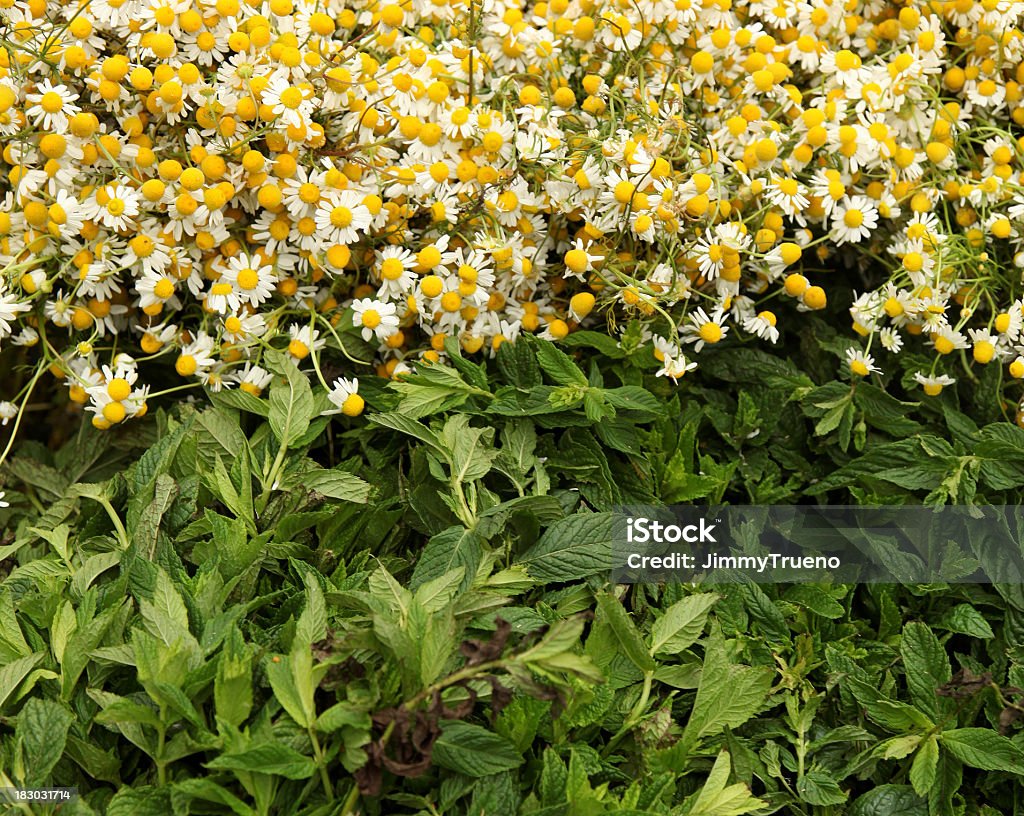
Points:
(717, 798)
(144, 533)
(985, 749)
(816, 600)
(141, 801)
(558, 365)
(448, 550)
(926, 666)
(232, 687)
(42, 730)
(608, 346)
(11, 675)
(518, 364)
(291, 400)
(574, 547)
(894, 715)
(948, 778)
(430, 389)
(543, 509)
(625, 631)
(234, 548)
(312, 623)
(342, 715)
(337, 484)
(12, 640)
(241, 400)
(470, 449)
(218, 435)
(291, 678)
(964, 619)
(210, 791)
(165, 615)
(681, 624)
(728, 695)
(473, 750)
(817, 787)
(268, 758)
(890, 800)
(409, 427)
(923, 769)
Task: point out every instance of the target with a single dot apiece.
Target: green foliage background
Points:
(244, 607)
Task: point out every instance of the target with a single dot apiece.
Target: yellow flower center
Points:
(391, 269)
(51, 102)
(164, 288)
(341, 217)
(710, 332)
(291, 98)
(248, 279)
(118, 389)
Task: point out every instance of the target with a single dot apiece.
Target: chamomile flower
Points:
(252, 379)
(933, 383)
(764, 325)
(675, 367)
(10, 308)
(394, 267)
(788, 195)
(344, 395)
(8, 411)
(252, 280)
(579, 260)
(114, 206)
(51, 106)
(702, 328)
(292, 104)
(342, 217)
(861, 363)
(853, 219)
(375, 317)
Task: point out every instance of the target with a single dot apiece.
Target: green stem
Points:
(324, 777)
(122, 534)
(467, 516)
(21, 412)
(161, 765)
(270, 480)
(350, 801)
(634, 716)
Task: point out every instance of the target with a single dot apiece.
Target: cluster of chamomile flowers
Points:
(199, 181)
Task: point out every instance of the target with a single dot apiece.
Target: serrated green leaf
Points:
(574, 547)
(337, 484)
(682, 624)
(291, 400)
(269, 758)
(42, 730)
(927, 666)
(985, 749)
(923, 769)
(473, 750)
(625, 631)
(448, 550)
